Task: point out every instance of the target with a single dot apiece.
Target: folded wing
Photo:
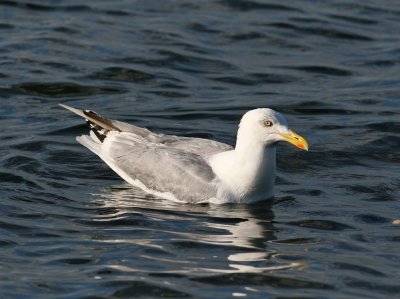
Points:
(168, 172)
(101, 126)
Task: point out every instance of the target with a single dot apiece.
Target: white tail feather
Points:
(90, 143)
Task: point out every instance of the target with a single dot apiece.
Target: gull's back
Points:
(168, 166)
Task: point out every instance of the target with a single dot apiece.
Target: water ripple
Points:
(63, 89)
(71, 228)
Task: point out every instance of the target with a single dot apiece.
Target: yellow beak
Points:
(296, 139)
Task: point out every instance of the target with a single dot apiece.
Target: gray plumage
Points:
(136, 154)
(193, 169)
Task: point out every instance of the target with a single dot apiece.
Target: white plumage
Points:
(193, 170)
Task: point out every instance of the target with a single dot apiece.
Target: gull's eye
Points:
(268, 123)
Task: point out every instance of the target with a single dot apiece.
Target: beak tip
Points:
(303, 147)
(296, 140)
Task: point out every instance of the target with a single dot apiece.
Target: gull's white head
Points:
(268, 126)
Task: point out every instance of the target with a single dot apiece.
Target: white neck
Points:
(248, 170)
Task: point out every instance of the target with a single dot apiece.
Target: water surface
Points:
(70, 228)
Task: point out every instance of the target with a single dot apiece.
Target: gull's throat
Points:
(248, 170)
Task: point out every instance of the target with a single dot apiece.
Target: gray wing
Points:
(186, 176)
(102, 126)
(202, 147)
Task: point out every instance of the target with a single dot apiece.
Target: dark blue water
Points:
(70, 228)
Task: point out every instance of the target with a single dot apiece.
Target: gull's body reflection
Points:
(195, 239)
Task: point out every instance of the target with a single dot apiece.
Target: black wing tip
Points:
(100, 135)
(99, 125)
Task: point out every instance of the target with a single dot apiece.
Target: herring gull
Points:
(193, 170)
